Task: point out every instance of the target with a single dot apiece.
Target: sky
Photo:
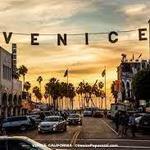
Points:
(85, 62)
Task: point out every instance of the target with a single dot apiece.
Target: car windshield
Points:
(51, 119)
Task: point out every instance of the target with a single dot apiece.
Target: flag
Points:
(66, 73)
(140, 55)
(133, 57)
(103, 73)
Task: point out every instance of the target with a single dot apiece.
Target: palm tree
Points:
(37, 93)
(27, 86)
(23, 71)
(80, 91)
(113, 91)
(71, 93)
(53, 87)
(40, 79)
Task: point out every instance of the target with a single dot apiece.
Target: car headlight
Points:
(54, 126)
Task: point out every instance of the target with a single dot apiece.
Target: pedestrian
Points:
(116, 120)
(132, 124)
(105, 113)
(121, 124)
(126, 123)
(1, 125)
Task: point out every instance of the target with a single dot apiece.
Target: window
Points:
(7, 73)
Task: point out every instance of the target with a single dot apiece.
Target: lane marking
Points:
(71, 142)
(109, 127)
(75, 138)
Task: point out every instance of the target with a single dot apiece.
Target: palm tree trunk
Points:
(23, 82)
(40, 86)
(71, 100)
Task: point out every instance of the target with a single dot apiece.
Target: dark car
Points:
(97, 114)
(22, 123)
(144, 123)
(74, 119)
(35, 117)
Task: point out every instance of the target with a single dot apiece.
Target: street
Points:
(93, 131)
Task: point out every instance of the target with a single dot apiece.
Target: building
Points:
(126, 71)
(10, 88)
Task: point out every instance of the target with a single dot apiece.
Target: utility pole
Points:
(149, 39)
(105, 90)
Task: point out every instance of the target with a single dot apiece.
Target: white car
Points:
(20, 143)
(52, 124)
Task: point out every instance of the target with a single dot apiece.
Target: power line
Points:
(72, 34)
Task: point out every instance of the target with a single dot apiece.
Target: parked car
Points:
(144, 122)
(35, 117)
(74, 119)
(20, 143)
(52, 124)
(23, 123)
(97, 113)
(88, 112)
(108, 114)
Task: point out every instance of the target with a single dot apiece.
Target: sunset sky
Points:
(74, 16)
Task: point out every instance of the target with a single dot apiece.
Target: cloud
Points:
(135, 9)
(33, 15)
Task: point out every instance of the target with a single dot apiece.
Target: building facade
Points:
(126, 71)
(10, 88)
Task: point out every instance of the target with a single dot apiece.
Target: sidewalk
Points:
(139, 135)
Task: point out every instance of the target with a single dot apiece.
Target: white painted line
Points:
(123, 140)
(109, 127)
(135, 147)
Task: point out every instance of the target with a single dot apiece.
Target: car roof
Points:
(16, 117)
(13, 137)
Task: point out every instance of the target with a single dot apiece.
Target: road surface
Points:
(93, 133)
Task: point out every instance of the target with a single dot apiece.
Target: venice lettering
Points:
(113, 37)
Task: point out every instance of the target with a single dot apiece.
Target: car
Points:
(144, 123)
(97, 114)
(74, 119)
(88, 112)
(52, 124)
(108, 114)
(20, 143)
(20, 122)
(35, 117)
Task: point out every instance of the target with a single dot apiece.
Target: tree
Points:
(37, 93)
(53, 87)
(71, 93)
(88, 90)
(113, 91)
(80, 91)
(40, 79)
(27, 86)
(141, 84)
(23, 71)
